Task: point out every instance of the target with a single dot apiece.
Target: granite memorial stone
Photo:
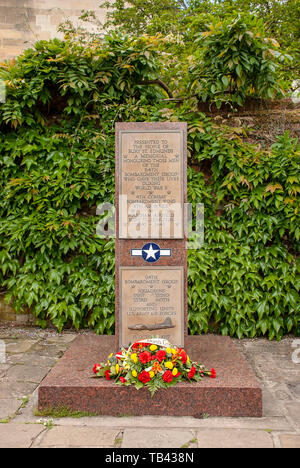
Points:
(151, 295)
(150, 236)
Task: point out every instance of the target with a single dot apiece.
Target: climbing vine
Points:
(57, 165)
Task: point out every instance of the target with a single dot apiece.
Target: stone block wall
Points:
(8, 314)
(23, 22)
(6, 311)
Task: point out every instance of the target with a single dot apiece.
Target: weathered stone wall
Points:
(23, 22)
(8, 313)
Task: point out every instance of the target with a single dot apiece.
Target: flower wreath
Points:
(153, 363)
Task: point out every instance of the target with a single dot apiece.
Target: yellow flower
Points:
(169, 365)
(175, 371)
(173, 351)
(151, 373)
(168, 350)
(110, 355)
(134, 373)
(117, 368)
(188, 359)
(153, 347)
(134, 358)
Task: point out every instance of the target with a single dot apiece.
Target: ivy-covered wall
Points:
(57, 165)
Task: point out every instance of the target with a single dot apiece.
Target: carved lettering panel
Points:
(151, 304)
(151, 173)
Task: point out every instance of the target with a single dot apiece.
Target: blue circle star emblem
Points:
(151, 252)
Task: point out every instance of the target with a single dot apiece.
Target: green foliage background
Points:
(57, 165)
(183, 19)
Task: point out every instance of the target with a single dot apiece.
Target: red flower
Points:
(168, 376)
(213, 374)
(192, 372)
(160, 355)
(183, 355)
(144, 377)
(107, 375)
(178, 374)
(122, 379)
(139, 345)
(145, 357)
(136, 346)
(96, 368)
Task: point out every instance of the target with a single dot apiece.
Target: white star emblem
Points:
(151, 252)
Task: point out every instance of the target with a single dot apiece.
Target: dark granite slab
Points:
(235, 391)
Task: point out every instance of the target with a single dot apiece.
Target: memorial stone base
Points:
(235, 392)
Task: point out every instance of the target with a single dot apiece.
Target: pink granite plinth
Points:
(235, 391)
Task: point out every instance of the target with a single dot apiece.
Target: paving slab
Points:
(266, 369)
(233, 438)
(262, 346)
(27, 373)
(3, 370)
(157, 438)
(47, 350)
(289, 441)
(283, 394)
(15, 389)
(294, 387)
(33, 359)
(293, 409)
(280, 390)
(19, 346)
(281, 375)
(78, 437)
(19, 435)
(8, 406)
(285, 363)
(271, 405)
(61, 339)
(172, 422)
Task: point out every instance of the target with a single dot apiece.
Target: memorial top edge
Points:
(140, 126)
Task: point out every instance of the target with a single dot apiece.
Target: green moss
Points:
(25, 401)
(63, 412)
